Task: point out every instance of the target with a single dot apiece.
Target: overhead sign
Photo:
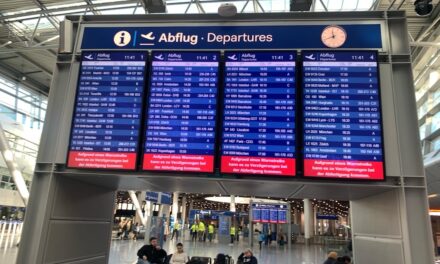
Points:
(159, 197)
(360, 36)
(326, 217)
(107, 114)
(342, 115)
(259, 113)
(180, 133)
(269, 213)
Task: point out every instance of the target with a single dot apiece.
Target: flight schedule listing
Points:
(181, 118)
(107, 114)
(259, 113)
(342, 116)
(269, 213)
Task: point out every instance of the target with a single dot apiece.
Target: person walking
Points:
(179, 257)
(211, 230)
(261, 238)
(151, 254)
(232, 233)
(194, 231)
(202, 229)
(176, 230)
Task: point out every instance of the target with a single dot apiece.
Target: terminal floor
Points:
(124, 252)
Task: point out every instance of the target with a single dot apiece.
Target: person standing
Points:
(179, 257)
(176, 230)
(211, 230)
(152, 253)
(261, 238)
(202, 230)
(232, 233)
(194, 231)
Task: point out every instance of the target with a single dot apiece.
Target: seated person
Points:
(151, 254)
(247, 257)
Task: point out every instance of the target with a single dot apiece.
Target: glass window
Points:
(422, 130)
(423, 109)
(436, 97)
(435, 122)
(435, 144)
(7, 100)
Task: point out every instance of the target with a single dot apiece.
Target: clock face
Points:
(333, 36)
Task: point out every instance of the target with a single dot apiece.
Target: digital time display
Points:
(259, 113)
(181, 118)
(342, 116)
(108, 108)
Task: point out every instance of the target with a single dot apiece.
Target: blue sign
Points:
(342, 115)
(327, 217)
(269, 213)
(180, 133)
(360, 36)
(165, 198)
(108, 110)
(159, 197)
(259, 113)
(152, 197)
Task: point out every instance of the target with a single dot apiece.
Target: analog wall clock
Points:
(333, 36)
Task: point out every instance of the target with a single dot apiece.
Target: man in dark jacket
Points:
(247, 257)
(331, 258)
(152, 253)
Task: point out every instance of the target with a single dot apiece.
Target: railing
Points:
(21, 145)
(10, 232)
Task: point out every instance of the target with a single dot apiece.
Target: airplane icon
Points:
(148, 36)
(310, 57)
(159, 57)
(233, 57)
(89, 57)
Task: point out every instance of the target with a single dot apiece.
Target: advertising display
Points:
(342, 115)
(259, 113)
(107, 113)
(181, 119)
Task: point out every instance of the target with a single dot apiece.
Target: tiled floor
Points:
(124, 252)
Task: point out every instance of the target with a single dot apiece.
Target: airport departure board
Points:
(273, 215)
(107, 114)
(256, 215)
(282, 216)
(269, 213)
(259, 113)
(181, 118)
(342, 116)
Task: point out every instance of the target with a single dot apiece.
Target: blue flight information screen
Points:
(256, 215)
(181, 119)
(342, 116)
(259, 113)
(269, 213)
(107, 114)
(282, 216)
